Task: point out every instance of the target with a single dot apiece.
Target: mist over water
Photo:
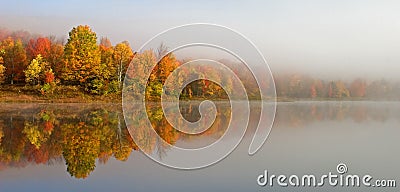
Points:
(324, 39)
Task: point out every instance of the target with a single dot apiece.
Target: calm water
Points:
(74, 147)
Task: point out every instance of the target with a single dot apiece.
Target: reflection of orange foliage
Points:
(48, 126)
(2, 166)
(39, 156)
(104, 157)
(102, 133)
(167, 132)
(359, 114)
(313, 110)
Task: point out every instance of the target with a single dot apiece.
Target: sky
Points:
(341, 39)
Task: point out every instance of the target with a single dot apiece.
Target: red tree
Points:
(41, 45)
(358, 88)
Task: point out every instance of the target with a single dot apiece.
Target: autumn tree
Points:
(358, 88)
(379, 89)
(317, 89)
(22, 35)
(122, 56)
(106, 54)
(2, 70)
(14, 58)
(167, 63)
(136, 79)
(41, 45)
(81, 56)
(337, 89)
(33, 71)
(55, 58)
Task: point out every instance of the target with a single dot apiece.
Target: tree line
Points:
(44, 62)
(99, 68)
(304, 86)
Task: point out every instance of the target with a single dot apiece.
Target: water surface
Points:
(75, 147)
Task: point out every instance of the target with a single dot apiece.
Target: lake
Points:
(87, 147)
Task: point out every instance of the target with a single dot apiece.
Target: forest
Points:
(36, 67)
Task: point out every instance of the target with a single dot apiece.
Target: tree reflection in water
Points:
(81, 135)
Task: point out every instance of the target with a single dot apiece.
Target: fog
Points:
(325, 39)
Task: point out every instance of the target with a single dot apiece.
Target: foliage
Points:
(49, 76)
(34, 134)
(55, 58)
(107, 70)
(14, 58)
(32, 73)
(122, 56)
(81, 56)
(358, 88)
(99, 69)
(40, 46)
(2, 71)
(137, 81)
(337, 89)
(80, 148)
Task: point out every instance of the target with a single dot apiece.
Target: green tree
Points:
(82, 57)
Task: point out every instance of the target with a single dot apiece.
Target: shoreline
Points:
(73, 94)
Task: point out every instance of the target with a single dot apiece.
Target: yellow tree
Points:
(106, 53)
(166, 65)
(122, 56)
(81, 56)
(81, 144)
(35, 70)
(337, 89)
(2, 70)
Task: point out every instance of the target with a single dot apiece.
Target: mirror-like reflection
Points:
(83, 136)
(79, 135)
(47, 134)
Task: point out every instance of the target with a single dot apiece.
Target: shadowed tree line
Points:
(303, 86)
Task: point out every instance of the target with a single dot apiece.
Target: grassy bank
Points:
(76, 94)
(62, 94)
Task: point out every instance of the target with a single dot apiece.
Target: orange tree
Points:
(82, 58)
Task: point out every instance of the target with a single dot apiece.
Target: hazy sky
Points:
(335, 38)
